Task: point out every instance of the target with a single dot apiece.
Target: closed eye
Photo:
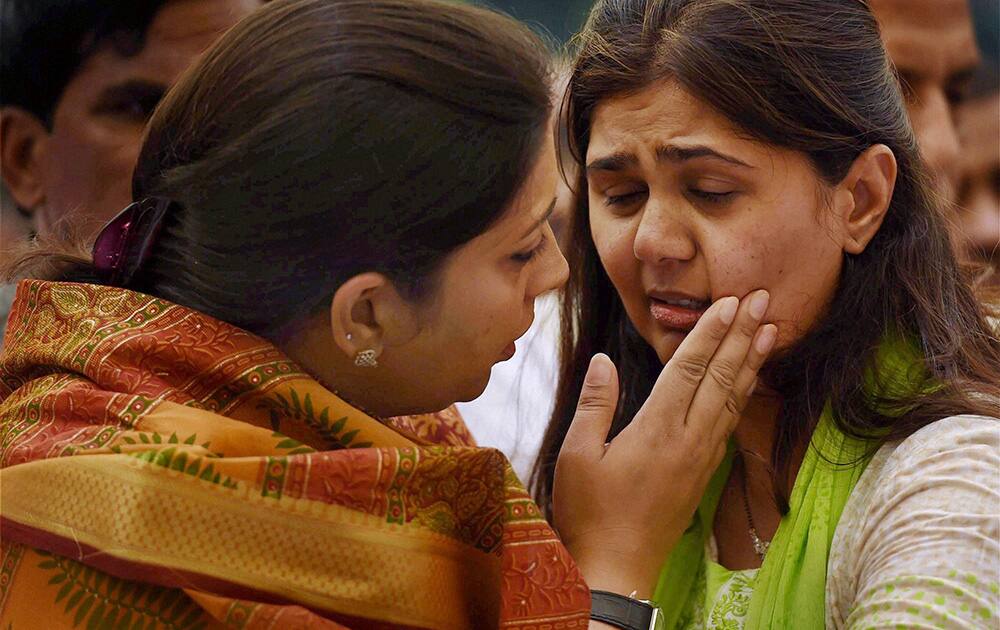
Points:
(621, 200)
(709, 196)
(524, 258)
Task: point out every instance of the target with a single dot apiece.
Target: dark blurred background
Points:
(560, 18)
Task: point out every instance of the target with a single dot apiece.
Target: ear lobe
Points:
(869, 185)
(22, 141)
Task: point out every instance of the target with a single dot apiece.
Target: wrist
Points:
(617, 573)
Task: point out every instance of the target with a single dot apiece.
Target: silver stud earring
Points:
(366, 359)
(350, 336)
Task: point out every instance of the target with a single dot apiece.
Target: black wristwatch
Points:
(624, 612)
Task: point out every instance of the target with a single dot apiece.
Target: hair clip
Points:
(126, 241)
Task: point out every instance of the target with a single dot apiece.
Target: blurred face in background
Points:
(979, 192)
(933, 46)
(82, 164)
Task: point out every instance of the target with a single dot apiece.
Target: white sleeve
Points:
(925, 547)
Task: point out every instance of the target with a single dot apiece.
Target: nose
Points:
(553, 270)
(662, 237)
(937, 137)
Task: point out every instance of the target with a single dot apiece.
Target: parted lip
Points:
(679, 298)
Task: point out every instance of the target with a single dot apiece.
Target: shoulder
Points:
(958, 445)
(924, 510)
(948, 454)
(955, 433)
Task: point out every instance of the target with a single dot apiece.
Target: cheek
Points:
(614, 241)
(486, 310)
(799, 265)
(91, 167)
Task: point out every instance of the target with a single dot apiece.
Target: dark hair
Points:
(317, 140)
(812, 77)
(43, 43)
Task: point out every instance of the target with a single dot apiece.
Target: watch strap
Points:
(622, 611)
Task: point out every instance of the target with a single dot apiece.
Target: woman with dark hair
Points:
(733, 145)
(340, 218)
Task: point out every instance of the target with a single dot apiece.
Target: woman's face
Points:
(484, 300)
(685, 210)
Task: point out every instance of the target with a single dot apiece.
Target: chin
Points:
(665, 343)
(473, 388)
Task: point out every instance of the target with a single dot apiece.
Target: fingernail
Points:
(758, 304)
(727, 311)
(766, 339)
(753, 387)
(599, 373)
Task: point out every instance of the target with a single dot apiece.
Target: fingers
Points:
(678, 382)
(761, 347)
(594, 411)
(725, 367)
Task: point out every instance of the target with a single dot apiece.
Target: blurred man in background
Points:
(979, 135)
(979, 192)
(933, 45)
(79, 80)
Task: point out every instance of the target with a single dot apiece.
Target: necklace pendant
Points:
(759, 546)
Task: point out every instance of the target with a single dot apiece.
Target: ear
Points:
(23, 140)
(864, 195)
(366, 312)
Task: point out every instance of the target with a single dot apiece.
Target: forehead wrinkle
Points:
(934, 13)
(663, 115)
(949, 55)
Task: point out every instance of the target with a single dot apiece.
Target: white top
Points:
(513, 412)
(918, 543)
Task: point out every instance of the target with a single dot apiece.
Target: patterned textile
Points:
(164, 469)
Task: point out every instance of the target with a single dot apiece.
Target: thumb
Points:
(595, 409)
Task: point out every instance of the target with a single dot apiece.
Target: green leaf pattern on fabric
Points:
(97, 600)
(729, 610)
(729, 605)
(295, 407)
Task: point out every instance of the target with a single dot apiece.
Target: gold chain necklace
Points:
(759, 545)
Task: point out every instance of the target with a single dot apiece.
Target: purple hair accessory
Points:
(125, 241)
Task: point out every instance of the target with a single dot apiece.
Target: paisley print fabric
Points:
(163, 469)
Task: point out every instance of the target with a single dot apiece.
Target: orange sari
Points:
(163, 469)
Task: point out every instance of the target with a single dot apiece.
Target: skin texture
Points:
(14, 227)
(979, 193)
(440, 349)
(932, 44)
(680, 434)
(83, 165)
(656, 231)
(667, 215)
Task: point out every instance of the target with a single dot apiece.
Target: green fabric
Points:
(790, 588)
(727, 594)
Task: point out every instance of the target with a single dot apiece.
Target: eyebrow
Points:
(545, 217)
(614, 162)
(671, 153)
(674, 153)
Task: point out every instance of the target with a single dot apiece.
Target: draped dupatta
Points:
(790, 587)
(160, 467)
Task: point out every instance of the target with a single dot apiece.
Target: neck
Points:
(758, 426)
(315, 351)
